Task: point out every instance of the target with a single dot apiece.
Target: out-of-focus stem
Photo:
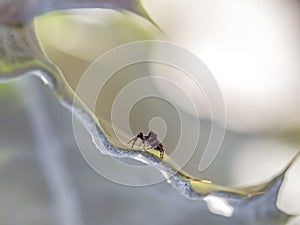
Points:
(50, 155)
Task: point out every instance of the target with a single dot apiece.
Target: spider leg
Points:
(144, 145)
(141, 142)
(133, 140)
(147, 148)
(160, 148)
(162, 152)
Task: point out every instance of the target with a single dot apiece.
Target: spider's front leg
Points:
(133, 140)
(140, 135)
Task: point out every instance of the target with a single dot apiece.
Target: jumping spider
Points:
(150, 140)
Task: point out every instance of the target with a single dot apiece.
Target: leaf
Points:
(20, 55)
(16, 12)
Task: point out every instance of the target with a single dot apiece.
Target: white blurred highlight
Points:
(219, 205)
(294, 221)
(252, 49)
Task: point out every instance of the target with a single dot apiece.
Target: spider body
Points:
(151, 140)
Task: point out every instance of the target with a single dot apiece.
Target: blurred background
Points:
(252, 48)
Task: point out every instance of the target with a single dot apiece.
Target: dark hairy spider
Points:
(151, 140)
